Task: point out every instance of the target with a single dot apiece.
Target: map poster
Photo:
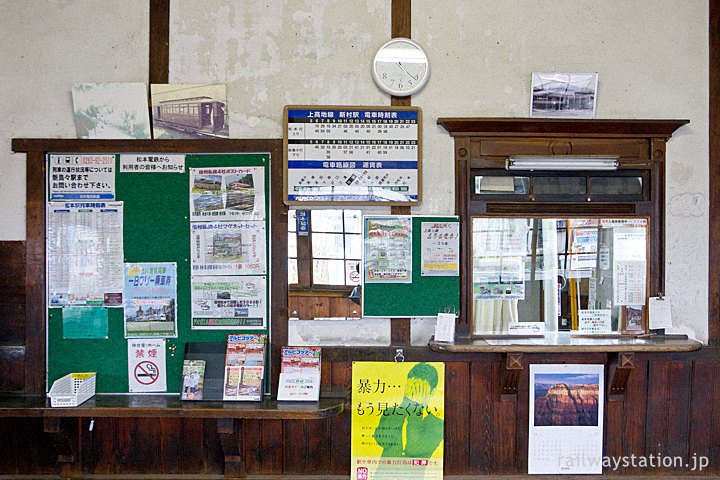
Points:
(388, 249)
(150, 300)
(227, 193)
(398, 414)
(228, 302)
(228, 248)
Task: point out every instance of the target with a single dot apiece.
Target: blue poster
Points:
(85, 322)
(150, 300)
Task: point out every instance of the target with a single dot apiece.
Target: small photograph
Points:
(111, 110)
(563, 95)
(206, 203)
(207, 183)
(193, 376)
(189, 111)
(632, 319)
(566, 399)
(227, 247)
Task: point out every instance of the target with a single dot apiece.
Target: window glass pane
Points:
(292, 221)
(292, 271)
(329, 272)
(353, 246)
(353, 221)
(327, 245)
(616, 185)
(570, 274)
(558, 185)
(292, 245)
(501, 184)
(326, 220)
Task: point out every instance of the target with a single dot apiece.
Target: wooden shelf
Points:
(150, 406)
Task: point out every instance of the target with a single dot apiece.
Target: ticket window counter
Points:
(562, 221)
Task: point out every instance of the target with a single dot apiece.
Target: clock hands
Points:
(403, 69)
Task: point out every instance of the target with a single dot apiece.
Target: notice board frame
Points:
(369, 113)
(425, 296)
(36, 150)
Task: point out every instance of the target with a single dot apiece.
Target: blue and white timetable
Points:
(353, 154)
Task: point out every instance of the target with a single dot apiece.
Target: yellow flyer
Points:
(398, 412)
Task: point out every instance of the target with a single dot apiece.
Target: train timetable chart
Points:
(353, 154)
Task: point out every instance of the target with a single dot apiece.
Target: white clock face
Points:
(401, 67)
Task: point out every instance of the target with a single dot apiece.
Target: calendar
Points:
(566, 419)
(352, 154)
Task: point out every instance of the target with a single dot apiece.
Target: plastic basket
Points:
(72, 389)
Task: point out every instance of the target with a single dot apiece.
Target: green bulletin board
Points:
(156, 229)
(424, 296)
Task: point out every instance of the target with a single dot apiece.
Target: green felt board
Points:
(156, 229)
(424, 297)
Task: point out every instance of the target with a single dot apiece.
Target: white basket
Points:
(72, 389)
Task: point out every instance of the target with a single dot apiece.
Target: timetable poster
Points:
(629, 265)
(227, 248)
(398, 420)
(85, 253)
(566, 419)
(221, 303)
(227, 193)
(388, 249)
(353, 154)
(150, 300)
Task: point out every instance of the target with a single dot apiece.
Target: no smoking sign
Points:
(146, 365)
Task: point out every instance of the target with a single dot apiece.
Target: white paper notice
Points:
(594, 321)
(566, 419)
(445, 328)
(227, 248)
(85, 253)
(659, 313)
(152, 162)
(82, 177)
(146, 365)
(299, 386)
(629, 266)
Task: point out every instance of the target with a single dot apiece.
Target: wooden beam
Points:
(714, 176)
(159, 62)
(401, 27)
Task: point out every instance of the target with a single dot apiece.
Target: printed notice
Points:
(228, 248)
(629, 265)
(85, 253)
(388, 249)
(594, 321)
(150, 300)
(152, 162)
(227, 193)
(228, 302)
(440, 248)
(146, 365)
(82, 177)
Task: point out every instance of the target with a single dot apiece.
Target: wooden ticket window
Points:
(486, 150)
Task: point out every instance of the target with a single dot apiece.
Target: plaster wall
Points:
(651, 57)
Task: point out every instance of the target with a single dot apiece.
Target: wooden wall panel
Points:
(705, 413)
(457, 417)
(12, 295)
(340, 424)
(481, 418)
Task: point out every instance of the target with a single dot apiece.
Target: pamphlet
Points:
(193, 376)
(300, 374)
(244, 367)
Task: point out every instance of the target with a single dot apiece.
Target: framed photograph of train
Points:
(359, 155)
(189, 111)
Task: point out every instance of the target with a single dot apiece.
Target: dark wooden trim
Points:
(549, 127)
(278, 282)
(159, 61)
(620, 366)
(229, 145)
(714, 176)
(35, 274)
(513, 367)
(401, 18)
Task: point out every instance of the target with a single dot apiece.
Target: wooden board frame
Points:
(345, 108)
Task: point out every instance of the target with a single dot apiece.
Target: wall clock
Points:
(400, 67)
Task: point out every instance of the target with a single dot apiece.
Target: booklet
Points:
(300, 374)
(192, 384)
(244, 367)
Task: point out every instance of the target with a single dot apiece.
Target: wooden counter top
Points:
(147, 406)
(564, 342)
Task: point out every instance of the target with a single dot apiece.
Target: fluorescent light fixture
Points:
(564, 162)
